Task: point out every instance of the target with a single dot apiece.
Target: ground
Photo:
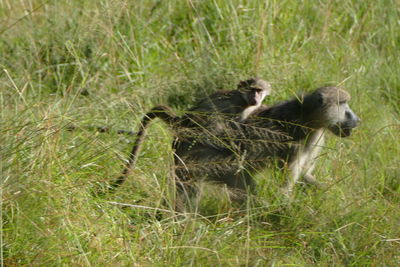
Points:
(95, 63)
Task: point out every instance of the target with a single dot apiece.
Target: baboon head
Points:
(257, 90)
(334, 112)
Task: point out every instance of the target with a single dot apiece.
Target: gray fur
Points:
(291, 132)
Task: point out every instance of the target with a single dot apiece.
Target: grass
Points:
(107, 62)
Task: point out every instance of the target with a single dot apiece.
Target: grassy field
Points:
(107, 62)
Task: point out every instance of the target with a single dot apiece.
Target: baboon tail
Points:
(163, 112)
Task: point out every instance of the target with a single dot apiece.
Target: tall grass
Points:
(107, 62)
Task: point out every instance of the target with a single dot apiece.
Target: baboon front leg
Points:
(309, 178)
(303, 163)
(295, 168)
(307, 170)
(309, 164)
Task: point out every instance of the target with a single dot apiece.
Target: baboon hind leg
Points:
(239, 184)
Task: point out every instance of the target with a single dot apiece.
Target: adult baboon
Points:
(291, 132)
(205, 116)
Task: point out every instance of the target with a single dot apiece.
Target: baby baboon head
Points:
(334, 111)
(257, 89)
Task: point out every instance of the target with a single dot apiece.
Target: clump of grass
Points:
(106, 63)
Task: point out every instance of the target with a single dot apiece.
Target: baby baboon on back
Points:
(291, 132)
(204, 115)
(240, 102)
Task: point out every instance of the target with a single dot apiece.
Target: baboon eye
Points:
(342, 102)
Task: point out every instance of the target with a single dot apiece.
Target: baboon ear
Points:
(245, 83)
(242, 84)
(313, 101)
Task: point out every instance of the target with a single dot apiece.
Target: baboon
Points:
(240, 102)
(206, 114)
(291, 133)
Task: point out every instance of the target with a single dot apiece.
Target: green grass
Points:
(107, 62)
